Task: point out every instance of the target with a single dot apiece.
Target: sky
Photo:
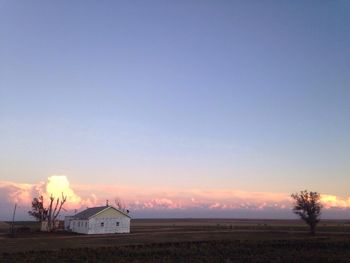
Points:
(178, 108)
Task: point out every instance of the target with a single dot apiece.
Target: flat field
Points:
(185, 240)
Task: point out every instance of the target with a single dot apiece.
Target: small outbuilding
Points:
(99, 220)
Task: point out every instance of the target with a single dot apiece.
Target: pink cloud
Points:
(332, 201)
(140, 198)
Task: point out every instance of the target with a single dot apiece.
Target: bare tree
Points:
(308, 206)
(49, 214)
(53, 214)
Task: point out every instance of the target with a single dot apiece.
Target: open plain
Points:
(185, 240)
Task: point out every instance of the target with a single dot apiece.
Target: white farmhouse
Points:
(98, 220)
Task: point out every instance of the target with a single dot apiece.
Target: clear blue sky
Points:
(251, 95)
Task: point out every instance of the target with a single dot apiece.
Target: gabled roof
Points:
(90, 212)
(87, 213)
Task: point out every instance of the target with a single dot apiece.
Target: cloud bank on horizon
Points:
(148, 202)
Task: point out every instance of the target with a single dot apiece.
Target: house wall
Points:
(109, 221)
(79, 226)
(106, 225)
(109, 213)
(67, 220)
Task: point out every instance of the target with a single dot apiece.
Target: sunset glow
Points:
(136, 199)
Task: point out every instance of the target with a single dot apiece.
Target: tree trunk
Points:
(312, 229)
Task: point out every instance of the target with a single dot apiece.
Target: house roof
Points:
(89, 212)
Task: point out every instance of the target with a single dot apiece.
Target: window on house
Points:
(85, 224)
(102, 223)
(117, 223)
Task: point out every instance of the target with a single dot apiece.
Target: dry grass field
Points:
(185, 240)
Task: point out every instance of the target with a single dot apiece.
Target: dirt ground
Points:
(150, 231)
